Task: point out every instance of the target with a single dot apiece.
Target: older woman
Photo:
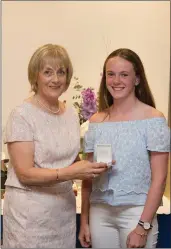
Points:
(42, 136)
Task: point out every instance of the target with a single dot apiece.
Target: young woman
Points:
(119, 207)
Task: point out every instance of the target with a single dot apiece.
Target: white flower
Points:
(84, 128)
(2, 155)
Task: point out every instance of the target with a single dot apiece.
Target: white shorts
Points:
(110, 226)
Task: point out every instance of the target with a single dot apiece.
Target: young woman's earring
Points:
(136, 83)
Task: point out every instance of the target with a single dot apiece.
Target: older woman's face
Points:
(52, 81)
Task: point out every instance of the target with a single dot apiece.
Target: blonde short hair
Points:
(52, 54)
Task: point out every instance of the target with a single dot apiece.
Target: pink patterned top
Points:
(56, 137)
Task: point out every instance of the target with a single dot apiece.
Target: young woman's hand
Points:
(137, 238)
(84, 236)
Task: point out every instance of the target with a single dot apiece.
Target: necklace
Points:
(43, 105)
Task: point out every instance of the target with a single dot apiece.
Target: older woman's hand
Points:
(87, 170)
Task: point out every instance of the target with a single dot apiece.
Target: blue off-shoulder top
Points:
(128, 181)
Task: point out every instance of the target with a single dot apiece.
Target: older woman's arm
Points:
(22, 159)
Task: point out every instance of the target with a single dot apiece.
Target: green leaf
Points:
(76, 104)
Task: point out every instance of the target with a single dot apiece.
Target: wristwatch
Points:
(145, 225)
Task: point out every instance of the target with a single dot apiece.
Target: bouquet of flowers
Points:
(85, 102)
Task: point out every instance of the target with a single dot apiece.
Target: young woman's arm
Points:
(84, 235)
(159, 168)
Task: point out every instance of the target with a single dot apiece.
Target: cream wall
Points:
(89, 31)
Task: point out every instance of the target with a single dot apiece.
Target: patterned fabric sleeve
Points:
(158, 135)
(89, 139)
(17, 128)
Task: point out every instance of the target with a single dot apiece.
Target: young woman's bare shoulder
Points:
(98, 117)
(151, 112)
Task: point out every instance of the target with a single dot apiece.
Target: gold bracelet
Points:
(140, 234)
(57, 176)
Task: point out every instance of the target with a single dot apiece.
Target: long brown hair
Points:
(142, 90)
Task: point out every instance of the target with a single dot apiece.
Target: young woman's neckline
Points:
(129, 121)
(143, 108)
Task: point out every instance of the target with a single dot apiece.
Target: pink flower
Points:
(88, 105)
(85, 102)
(88, 96)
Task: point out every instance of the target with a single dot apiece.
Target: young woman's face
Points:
(120, 78)
(51, 81)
